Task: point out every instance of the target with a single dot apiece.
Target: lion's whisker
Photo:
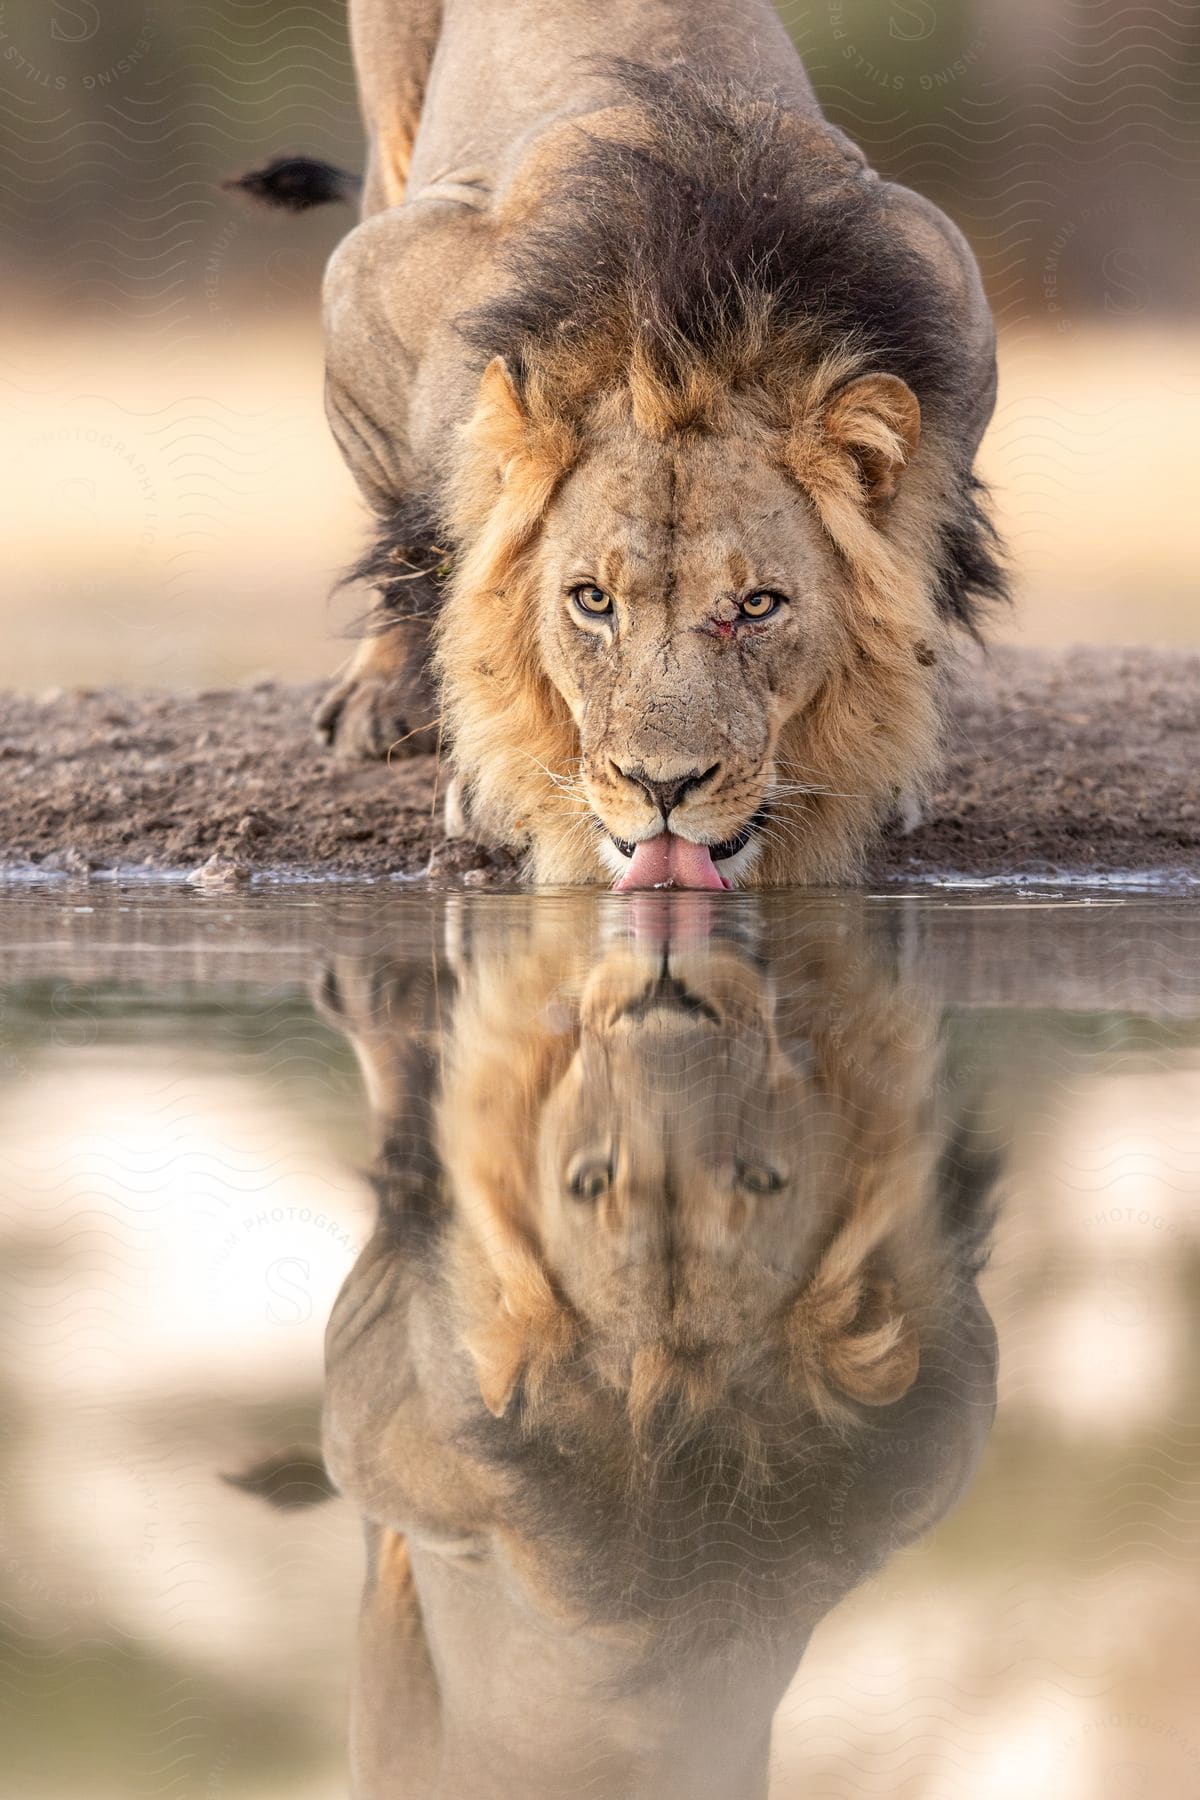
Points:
(785, 790)
(426, 725)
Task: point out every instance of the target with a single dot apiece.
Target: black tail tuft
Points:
(297, 182)
(289, 1480)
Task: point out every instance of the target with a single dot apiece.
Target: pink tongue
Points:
(669, 861)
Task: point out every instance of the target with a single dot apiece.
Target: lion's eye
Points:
(592, 600)
(591, 1181)
(760, 605)
(757, 1178)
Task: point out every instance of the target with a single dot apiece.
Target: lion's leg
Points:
(385, 704)
(394, 42)
(380, 308)
(386, 1009)
(396, 1730)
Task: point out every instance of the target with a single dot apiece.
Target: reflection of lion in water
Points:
(693, 399)
(668, 1334)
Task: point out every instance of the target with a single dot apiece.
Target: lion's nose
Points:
(666, 792)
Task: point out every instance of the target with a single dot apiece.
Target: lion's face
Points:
(685, 1161)
(688, 605)
(698, 652)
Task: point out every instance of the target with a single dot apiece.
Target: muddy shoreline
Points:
(1076, 763)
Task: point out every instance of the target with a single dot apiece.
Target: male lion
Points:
(668, 407)
(668, 1335)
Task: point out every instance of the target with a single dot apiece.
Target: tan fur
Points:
(524, 467)
(854, 718)
(382, 706)
(393, 51)
(525, 1053)
(623, 1437)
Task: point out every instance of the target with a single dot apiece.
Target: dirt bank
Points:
(1084, 762)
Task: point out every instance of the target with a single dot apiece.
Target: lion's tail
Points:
(297, 183)
(288, 1479)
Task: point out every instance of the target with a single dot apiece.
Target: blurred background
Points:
(173, 510)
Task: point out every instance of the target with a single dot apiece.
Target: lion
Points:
(667, 406)
(667, 1336)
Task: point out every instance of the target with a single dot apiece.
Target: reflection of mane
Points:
(681, 1487)
(872, 1060)
(643, 1469)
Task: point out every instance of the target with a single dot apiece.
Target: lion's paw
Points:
(367, 718)
(373, 999)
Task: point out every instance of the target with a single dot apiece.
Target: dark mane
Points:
(728, 212)
(680, 234)
(403, 563)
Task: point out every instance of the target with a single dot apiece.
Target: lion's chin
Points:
(667, 861)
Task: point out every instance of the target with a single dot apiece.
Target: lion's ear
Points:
(525, 1333)
(876, 421)
(500, 422)
(498, 1350)
(857, 1338)
(876, 1359)
(523, 448)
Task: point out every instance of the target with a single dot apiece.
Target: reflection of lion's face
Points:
(679, 1183)
(657, 1164)
(674, 679)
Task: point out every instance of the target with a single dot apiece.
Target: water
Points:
(767, 1321)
